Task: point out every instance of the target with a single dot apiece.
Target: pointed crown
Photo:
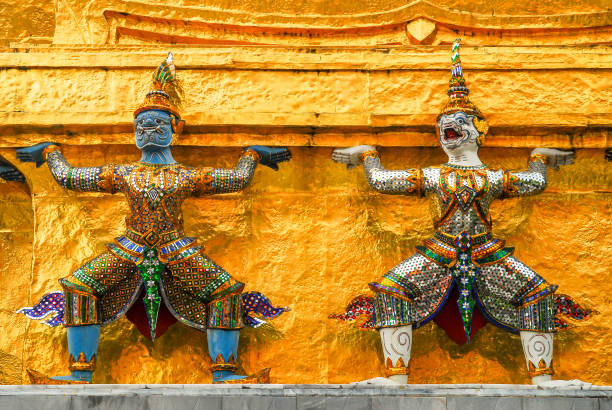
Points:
(457, 90)
(166, 91)
(458, 94)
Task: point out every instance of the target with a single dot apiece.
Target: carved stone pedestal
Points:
(306, 396)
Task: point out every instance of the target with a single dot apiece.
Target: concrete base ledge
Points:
(304, 396)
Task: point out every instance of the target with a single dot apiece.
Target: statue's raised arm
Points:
(533, 180)
(97, 179)
(395, 182)
(226, 180)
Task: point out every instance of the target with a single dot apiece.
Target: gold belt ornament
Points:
(152, 238)
(479, 239)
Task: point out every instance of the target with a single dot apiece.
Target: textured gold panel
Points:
(16, 231)
(31, 21)
(550, 96)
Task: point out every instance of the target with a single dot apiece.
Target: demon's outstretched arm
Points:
(97, 179)
(534, 180)
(399, 182)
(225, 180)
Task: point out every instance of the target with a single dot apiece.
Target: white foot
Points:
(538, 349)
(566, 384)
(396, 344)
(538, 380)
(381, 381)
(399, 378)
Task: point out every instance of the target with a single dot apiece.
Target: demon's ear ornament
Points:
(177, 126)
(177, 129)
(482, 126)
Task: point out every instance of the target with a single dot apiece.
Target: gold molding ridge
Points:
(402, 14)
(367, 58)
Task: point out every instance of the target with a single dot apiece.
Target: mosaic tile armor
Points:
(462, 250)
(154, 254)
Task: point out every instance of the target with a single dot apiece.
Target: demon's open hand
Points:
(8, 172)
(33, 153)
(271, 156)
(556, 157)
(351, 156)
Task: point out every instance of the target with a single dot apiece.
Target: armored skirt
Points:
(508, 293)
(153, 260)
(195, 290)
(462, 262)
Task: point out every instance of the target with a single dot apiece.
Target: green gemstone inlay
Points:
(150, 271)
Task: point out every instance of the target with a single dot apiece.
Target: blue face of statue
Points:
(153, 130)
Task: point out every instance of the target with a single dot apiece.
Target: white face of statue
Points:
(457, 133)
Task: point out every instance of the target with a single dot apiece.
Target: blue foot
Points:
(76, 376)
(222, 376)
(228, 377)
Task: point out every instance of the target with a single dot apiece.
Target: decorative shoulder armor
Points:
(203, 180)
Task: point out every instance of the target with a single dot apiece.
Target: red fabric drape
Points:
(138, 316)
(449, 319)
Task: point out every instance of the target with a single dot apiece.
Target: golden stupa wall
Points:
(312, 235)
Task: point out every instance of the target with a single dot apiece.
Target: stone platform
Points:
(302, 397)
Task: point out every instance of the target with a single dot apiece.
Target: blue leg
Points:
(223, 350)
(82, 349)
